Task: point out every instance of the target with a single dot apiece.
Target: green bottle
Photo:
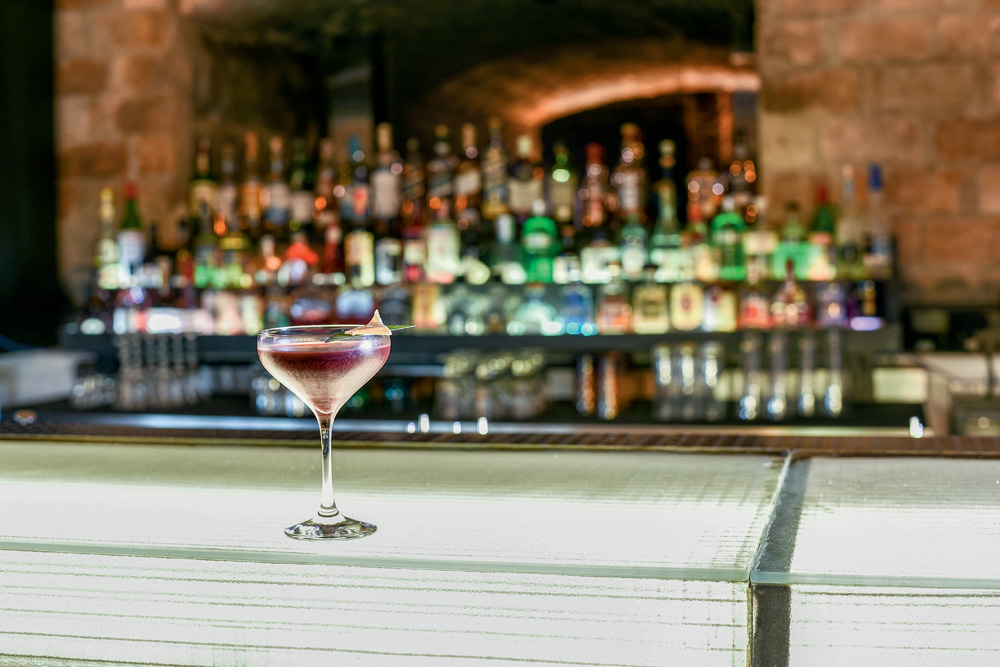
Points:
(727, 235)
(540, 240)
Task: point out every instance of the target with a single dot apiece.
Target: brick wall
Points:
(123, 96)
(911, 84)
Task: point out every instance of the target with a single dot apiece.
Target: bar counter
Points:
(610, 547)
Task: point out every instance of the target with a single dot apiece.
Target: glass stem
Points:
(327, 505)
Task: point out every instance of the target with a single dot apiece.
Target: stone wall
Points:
(911, 84)
(123, 98)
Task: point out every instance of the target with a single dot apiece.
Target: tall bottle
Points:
(526, 185)
(790, 306)
(278, 195)
(301, 182)
(386, 179)
(106, 264)
(359, 255)
(634, 238)
(468, 184)
(650, 308)
(494, 170)
(629, 178)
(250, 188)
(131, 237)
(413, 209)
(229, 189)
(563, 186)
(596, 190)
(443, 246)
(665, 243)
(441, 174)
(204, 186)
(325, 202)
(704, 191)
(355, 202)
(878, 257)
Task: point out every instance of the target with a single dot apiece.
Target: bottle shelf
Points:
(417, 347)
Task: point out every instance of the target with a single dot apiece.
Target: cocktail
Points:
(324, 366)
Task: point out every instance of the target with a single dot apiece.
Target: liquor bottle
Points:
(727, 235)
(355, 200)
(563, 185)
(790, 306)
(359, 256)
(848, 230)
(704, 191)
(831, 305)
(823, 226)
(629, 178)
(468, 185)
(414, 186)
(577, 310)
(326, 208)
(428, 306)
(301, 183)
(494, 169)
(742, 176)
(236, 248)
(464, 311)
(278, 196)
(650, 309)
(535, 315)
(333, 256)
(205, 244)
(755, 306)
(878, 256)
(596, 190)
(106, 257)
(250, 188)
(597, 256)
(131, 238)
(633, 247)
(388, 260)
(665, 243)
(526, 184)
(719, 313)
(441, 174)
(614, 314)
(203, 186)
(443, 246)
(686, 304)
(229, 189)
(394, 306)
(505, 256)
(540, 240)
(355, 303)
(791, 246)
(386, 179)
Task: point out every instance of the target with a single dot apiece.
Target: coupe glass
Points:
(324, 366)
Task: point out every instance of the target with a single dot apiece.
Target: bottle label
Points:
(439, 184)
(359, 253)
(562, 196)
(250, 200)
(386, 194)
(633, 261)
(524, 193)
(279, 203)
(229, 202)
(468, 183)
(131, 248)
(388, 261)
(204, 191)
(628, 192)
(302, 205)
(686, 306)
(536, 242)
(442, 253)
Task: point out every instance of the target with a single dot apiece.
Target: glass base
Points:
(330, 528)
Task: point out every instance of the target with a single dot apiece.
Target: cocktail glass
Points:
(324, 366)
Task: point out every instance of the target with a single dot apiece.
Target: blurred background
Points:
(180, 173)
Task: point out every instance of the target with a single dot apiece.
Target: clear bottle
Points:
(494, 170)
(597, 256)
(326, 210)
(614, 313)
(526, 179)
(878, 257)
(634, 238)
(468, 185)
(414, 185)
(443, 246)
(386, 178)
(505, 255)
(535, 315)
(577, 310)
(650, 306)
